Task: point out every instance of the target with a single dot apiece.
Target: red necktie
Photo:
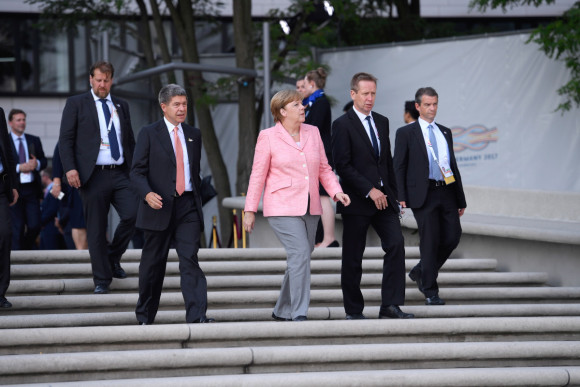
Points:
(180, 178)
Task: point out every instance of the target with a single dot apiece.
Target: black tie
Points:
(112, 133)
(373, 137)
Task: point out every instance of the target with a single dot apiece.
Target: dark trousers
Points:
(387, 225)
(25, 215)
(5, 240)
(439, 232)
(106, 188)
(184, 231)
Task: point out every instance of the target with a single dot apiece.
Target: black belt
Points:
(110, 166)
(437, 183)
(185, 193)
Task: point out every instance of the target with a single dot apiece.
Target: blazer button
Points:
(306, 177)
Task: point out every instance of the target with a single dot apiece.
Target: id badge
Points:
(448, 175)
(105, 144)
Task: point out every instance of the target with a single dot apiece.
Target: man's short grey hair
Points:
(170, 91)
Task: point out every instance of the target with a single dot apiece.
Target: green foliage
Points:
(483, 5)
(559, 40)
(68, 14)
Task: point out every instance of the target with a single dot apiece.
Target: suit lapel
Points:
(30, 145)
(361, 131)
(304, 136)
(383, 135)
(189, 144)
(90, 101)
(284, 136)
(165, 140)
(448, 136)
(419, 136)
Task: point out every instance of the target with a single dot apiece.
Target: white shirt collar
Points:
(424, 124)
(170, 126)
(15, 137)
(108, 97)
(361, 116)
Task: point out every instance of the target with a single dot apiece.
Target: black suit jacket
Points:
(80, 136)
(319, 115)
(412, 165)
(357, 165)
(154, 170)
(34, 148)
(7, 156)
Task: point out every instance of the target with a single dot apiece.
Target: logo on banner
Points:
(472, 144)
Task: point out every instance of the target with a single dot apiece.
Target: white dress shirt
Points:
(442, 147)
(365, 122)
(105, 157)
(170, 126)
(25, 177)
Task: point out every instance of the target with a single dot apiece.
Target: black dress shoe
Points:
(356, 316)
(280, 318)
(333, 244)
(415, 275)
(142, 323)
(300, 318)
(204, 320)
(435, 300)
(393, 311)
(118, 271)
(4, 303)
(101, 289)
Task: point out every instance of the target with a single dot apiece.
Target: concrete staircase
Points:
(498, 329)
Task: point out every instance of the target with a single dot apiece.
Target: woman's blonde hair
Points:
(281, 99)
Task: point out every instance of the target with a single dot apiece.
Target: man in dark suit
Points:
(96, 148)
(362, 156)
(8, 197)
(25, 214)
(165, 174)
(430, 184)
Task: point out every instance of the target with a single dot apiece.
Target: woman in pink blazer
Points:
(289, 163)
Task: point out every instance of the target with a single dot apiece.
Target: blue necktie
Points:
(434, 171)
(112, 133)
(373, 137)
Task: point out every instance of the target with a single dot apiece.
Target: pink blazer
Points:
(287, 173)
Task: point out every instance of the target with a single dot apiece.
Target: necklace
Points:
(295, 134)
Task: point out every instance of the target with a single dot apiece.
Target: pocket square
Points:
(190, 139)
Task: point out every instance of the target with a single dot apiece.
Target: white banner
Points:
(497, 94)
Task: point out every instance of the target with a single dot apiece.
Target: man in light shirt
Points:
(28, 153)
(165, 174)
(430, 184)
(96, 148)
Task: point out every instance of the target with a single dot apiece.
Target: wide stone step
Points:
(274, 334)
(269, 281)
(446, 377)
(49, 368)
(134, 255)
(75, 270)
(14, 321)
(267, 298)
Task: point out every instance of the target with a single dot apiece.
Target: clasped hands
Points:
(29, 166)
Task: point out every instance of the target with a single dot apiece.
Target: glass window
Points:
(7, 56)
(54, 65)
